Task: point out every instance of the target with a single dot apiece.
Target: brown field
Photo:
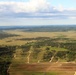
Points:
(59, 68)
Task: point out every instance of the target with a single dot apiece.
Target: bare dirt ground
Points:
(61, 68)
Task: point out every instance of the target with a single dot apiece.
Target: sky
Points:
(37, 12)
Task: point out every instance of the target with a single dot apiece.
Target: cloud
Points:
(31, 6)
(35, 9)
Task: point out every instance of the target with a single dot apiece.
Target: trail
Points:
(28, 58)
(38, 61)
(75, 73)
(53, 57)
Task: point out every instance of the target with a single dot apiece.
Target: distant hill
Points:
(56, 28)
(50, 28)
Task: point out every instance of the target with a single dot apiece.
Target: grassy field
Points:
(14, 40)
(36, 61)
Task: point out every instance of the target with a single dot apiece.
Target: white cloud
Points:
(72, 17)
(60, 8)
(35, 9)
(31, 6)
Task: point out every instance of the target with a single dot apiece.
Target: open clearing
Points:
(14, 40)
(18, 67)
(43, 69)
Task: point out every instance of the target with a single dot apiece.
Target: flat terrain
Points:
(43, 69)
(38, 61)
(14, 40)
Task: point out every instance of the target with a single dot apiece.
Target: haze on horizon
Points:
(37, 12)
